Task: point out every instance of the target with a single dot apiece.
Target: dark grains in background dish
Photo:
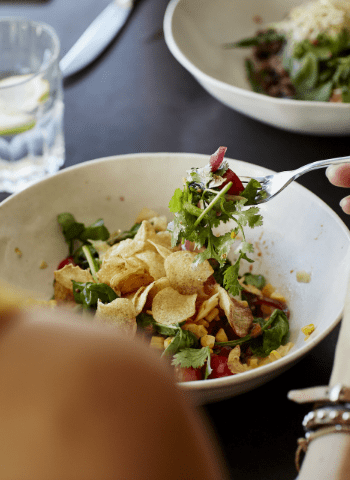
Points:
(265, 69)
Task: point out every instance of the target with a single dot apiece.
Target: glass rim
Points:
(56, 45)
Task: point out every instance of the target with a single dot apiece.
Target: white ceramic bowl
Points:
(195, 31)
(300, 232)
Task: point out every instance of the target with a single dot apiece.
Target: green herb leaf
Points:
(71, 229)
(145, 320)
(96, 231)
(126, 234)
(273, 337)
(87, 294)
(257, 281)
(183, 339)
(268, 36)
(305, 78)
(192, 357)
(175, 204)
(275, 333)
(199, 210)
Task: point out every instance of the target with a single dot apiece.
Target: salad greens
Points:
(197, 225)
(74, 231)
(87, 294)
(195, 358)
(274, 333)
(316, 68)
(212, 196)
(118, 237)
(183, 339)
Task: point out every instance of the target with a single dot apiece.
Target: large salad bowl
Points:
(290, 240)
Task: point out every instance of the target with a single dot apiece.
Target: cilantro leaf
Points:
(193, 357)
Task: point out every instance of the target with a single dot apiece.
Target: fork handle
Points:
(319, 164)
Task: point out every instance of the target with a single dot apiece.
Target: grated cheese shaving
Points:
(307, 21)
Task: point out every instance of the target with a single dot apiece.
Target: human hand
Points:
(339, 175)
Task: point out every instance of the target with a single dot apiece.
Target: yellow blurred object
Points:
(307, 330)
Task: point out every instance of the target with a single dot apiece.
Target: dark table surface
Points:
(137, 98)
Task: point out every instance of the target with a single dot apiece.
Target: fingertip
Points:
(345, 205)
(339, 175)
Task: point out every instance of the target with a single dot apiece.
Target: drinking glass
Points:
(31, 103)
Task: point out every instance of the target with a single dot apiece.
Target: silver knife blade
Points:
(96, 37)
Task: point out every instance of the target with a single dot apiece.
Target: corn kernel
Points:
(208, 341)
(308, 329)
(198, 330)
(203, 322)
(211, 315)
(253, 362)
(157, 343)
(274, 355)
(221, 336)
(268, 290)
(278, 296)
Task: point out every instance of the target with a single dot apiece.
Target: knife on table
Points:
(97, 36)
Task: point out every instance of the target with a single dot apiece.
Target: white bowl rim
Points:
(222, 382)
(197, 72)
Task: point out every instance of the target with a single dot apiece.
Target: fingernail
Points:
(330, 172)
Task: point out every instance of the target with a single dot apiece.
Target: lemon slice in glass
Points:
(19, 96)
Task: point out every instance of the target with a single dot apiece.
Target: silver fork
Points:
(275, 183)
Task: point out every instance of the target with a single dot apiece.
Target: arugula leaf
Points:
(193, 357)
(321, 93)
(275, 333)
(80, 259)
(305, 78)
(182, 338)
(126, 234)
(257, 281)
(87, 294)
(252, 77)
(145, 320)
(75, 231)
(268, 36)
(71, 229)
(96, 231)
(272, 337)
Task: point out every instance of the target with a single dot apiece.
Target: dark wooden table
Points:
(137, 98)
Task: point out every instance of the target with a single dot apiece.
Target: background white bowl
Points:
(300, 232)
(195, 31)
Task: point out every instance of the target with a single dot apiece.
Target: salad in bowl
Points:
(177, 285)
(304, 57)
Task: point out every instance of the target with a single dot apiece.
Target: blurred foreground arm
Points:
(78, 402)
